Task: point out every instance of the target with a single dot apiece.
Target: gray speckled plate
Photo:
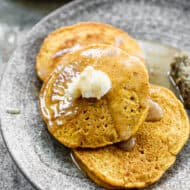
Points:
(44, 161)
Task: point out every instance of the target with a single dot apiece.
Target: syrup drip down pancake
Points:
(89, 122)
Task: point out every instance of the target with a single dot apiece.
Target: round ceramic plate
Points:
(46, 163)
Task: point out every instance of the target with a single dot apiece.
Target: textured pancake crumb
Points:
(71, 38)
(158, 143)
(88, 122)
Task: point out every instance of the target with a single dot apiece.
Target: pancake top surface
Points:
(95, 123)
(70, 38)
(155, 151)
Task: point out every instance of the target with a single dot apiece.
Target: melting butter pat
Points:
(90, 83)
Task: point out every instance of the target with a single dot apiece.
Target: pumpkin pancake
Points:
(89, 122)
(157, 144)
(70, 38)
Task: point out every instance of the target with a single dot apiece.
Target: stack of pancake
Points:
(130, 136)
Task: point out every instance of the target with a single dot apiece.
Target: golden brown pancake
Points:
(157, 144)
(87, 122)
(70, 38)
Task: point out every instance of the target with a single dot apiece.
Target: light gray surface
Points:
(42, 159)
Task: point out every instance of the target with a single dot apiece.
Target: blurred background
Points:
(16, 18)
